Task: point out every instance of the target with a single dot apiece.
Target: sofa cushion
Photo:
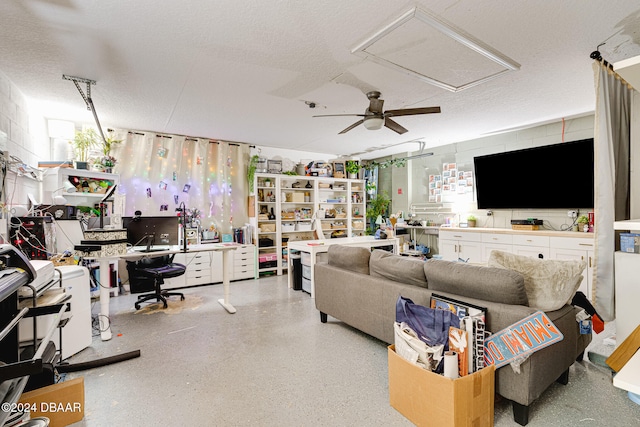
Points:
(549, 283)
(398, 268)
(474, 281)
(350, 258)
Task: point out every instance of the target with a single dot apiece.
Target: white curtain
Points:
(158, 172)
(612, 157)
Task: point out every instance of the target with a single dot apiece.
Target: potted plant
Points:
(82, 143)
(352, 167)
(251, 171)
(471, 221)
(377, 206)
(583, 223)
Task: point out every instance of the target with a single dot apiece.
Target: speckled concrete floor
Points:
(273, 363)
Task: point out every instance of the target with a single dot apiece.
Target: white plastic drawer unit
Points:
(306, 271)
(306, 258)
(306, 285)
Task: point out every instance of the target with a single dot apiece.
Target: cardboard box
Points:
(62, 403)
(429, 399)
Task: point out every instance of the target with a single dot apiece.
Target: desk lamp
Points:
(182, 208)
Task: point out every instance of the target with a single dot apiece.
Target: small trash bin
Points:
(297, 271)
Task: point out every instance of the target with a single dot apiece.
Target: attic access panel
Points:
(424, 46)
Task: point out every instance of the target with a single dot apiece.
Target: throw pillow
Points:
(475, 281)
(397, 268)
(550, 284)
(351, 258)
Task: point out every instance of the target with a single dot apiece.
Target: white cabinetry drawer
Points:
(530, 240)
(198, 272)
(460, 235)
(579, 243)
(506, 239)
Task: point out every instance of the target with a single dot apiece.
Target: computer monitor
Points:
(154, 230)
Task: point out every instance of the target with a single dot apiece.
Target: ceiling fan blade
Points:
(338, 115)
(358, 123)
(394, 126)
(412, 111)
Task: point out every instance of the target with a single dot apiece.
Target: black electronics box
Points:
(531, 221)
(265, 242)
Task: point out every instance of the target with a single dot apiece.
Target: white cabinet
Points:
(531, 245)
(476, 246)
(206, 267)
(456, 246)
(497, 242)
(287, 206)
(244, 263)
(571, 248)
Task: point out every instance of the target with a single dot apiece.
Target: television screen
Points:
(557, 176)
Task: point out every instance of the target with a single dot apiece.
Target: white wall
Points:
(413, 179)
(22, 132)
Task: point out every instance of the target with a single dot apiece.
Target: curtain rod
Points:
(598, 57)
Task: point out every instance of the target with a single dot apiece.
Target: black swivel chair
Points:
(148, 274)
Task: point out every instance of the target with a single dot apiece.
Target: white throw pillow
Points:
(550, 284)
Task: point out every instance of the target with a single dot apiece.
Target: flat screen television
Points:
(557, 176)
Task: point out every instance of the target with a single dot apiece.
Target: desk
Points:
(314, 247)
(628, 378)
(428, 230)
(225, 248)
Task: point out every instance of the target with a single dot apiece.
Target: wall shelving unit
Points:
(292, 208)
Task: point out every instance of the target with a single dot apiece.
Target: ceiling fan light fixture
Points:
(373, 123)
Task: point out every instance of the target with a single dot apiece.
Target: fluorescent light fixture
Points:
(448, 30)
(374, 123)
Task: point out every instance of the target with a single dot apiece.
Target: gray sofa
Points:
(360, 288)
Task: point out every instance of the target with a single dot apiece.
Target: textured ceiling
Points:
(244, 70)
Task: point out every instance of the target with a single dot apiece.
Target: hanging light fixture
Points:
(373, 123)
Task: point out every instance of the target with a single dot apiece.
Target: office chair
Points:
(148, 274)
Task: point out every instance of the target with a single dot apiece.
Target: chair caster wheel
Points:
(137, 306)
(182, 298)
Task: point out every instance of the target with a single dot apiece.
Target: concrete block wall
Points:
(22, 130)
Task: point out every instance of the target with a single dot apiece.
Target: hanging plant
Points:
(251, 170)
(399, 163)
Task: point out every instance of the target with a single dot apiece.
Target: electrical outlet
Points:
(572, 214)
(489, 213)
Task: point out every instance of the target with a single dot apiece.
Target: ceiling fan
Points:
(373, 117)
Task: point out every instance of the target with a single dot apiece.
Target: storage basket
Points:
(288, 226)
(303, 226)
(267, 227)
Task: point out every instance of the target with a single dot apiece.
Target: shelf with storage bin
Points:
(297, 202)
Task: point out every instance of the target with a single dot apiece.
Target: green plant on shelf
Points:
(352, 167)
(251, 171)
